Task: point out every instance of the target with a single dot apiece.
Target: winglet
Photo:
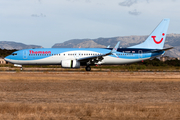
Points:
(115, 48)
(108, 46)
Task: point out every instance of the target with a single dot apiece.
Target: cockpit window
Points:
(14, 54)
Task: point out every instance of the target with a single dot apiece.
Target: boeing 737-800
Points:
(75, 57)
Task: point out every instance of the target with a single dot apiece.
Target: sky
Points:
(46, 22)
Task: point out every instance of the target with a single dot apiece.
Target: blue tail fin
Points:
(157, 38)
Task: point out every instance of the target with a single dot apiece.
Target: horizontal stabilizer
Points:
(163, 50)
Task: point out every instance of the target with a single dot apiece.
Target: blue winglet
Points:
(115, 48)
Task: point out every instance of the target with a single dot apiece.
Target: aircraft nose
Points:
(6, 58)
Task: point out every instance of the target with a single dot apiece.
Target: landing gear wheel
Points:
(21, 69)
(88, 68)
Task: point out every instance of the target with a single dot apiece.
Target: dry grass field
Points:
(89, 96)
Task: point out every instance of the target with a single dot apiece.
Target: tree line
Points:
(157, 62)
(5, 52)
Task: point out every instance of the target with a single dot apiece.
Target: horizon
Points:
(85, 39)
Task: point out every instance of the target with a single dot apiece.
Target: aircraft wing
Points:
(99, 57)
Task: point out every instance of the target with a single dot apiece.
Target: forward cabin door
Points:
(25, 54)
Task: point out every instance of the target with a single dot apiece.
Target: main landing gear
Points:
(88, 68)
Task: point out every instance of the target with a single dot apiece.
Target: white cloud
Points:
(38, 15)
(134, 12)
(128, 3)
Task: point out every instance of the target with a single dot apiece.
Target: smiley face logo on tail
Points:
(157, 42)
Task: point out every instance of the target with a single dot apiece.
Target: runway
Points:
(81, 70)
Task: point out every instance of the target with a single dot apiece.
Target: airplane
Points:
(75, 57)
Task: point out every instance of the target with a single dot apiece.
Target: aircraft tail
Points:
(157, 38)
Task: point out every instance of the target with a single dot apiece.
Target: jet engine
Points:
(70, 64)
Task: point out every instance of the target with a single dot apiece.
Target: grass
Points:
(89, 95)
(88, 111)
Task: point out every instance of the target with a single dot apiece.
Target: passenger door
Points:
(140, 54)
(25, 54)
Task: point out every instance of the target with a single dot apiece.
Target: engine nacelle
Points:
(70, 64)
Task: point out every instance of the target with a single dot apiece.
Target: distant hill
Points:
(14, 45)
(126, 41)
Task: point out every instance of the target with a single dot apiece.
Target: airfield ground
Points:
(89, 95)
